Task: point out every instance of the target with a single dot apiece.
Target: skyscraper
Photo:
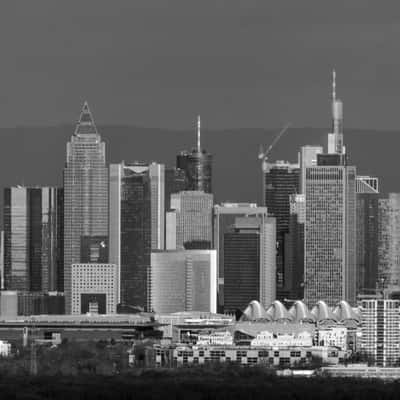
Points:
(294, 248)
(308, 158)
(281, 179)
(189, 224)
(33, 238)
(249, 262)
(175, 182)
(136, 225)
(85, 193)
(197, 165)
(183, 280)
(224, 219)
(367, 233)
(330, 236)
(389, 241)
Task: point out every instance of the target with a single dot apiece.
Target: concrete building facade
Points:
(95, 288)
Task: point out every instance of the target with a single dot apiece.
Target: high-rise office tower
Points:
(189, 224)
(136, 225)
(33, 238)
(380, 331)
(183, 280)
(389, 242)
(281, 179)
(294, 248)
(197, 165)
(308, 158)
(224, 219)
(2, 259)
(175, 182)
(85, 193)
(367, 233)
(330, 224)
(249, 262)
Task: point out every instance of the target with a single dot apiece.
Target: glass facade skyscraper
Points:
(249, 262)
(330, 224)
(224, 219)
(85, 193)
(294, 249)
(33, 238)
(281, 179)
(367, 233)
(198, 169)
(330, 234)
(136, 226)
(183, 280)
(189, 224)
(389, 241)
(197, 165)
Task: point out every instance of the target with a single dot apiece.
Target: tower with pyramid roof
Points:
(85, 195)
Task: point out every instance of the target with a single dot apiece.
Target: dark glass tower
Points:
(33, 238)
(242, 285)
(137, 218)
(294, 250)
(367, 233)
(281, 179)
(197, 165)
(175, 182)
(249, 262)
(224, 219)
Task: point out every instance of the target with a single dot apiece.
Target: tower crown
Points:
(86, 123)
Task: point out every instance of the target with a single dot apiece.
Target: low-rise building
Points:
(215, 339)
(268, 339)
(245, 355)
(332, 336)
(5, 349)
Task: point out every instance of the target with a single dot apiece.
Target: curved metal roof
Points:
(344, 312)
(322, 312)
(254, 311)
(278, 312)
(301, 313)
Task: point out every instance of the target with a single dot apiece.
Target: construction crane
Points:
(263, 155)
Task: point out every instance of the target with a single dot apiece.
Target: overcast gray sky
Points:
(238, 63)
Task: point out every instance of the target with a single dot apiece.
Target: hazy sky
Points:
(238, 63)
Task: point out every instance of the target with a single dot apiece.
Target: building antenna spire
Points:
(333, 85)
(198, 134)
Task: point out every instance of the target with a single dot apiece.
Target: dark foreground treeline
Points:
(195, 384)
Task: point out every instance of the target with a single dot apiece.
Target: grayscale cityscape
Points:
(166, 254)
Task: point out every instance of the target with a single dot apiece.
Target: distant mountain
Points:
(36, 155)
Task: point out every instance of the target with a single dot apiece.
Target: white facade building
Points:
(333, 336)
(94, 284)
(380, 330)
(216, 339)
(5, 349)
(268, 339)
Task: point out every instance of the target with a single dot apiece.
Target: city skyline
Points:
(201, 198)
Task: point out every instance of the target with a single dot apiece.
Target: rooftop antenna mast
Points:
(333, 85)
(198, 134)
